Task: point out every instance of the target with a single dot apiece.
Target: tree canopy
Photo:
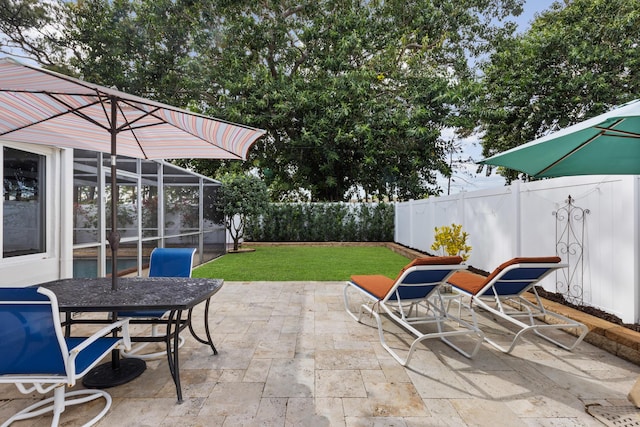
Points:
(353, 94)
(577, 60)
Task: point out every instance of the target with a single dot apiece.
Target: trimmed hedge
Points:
(323, 222)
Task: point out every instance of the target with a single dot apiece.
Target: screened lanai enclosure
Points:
(160, 205)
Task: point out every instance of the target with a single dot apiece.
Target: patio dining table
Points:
(174, 295)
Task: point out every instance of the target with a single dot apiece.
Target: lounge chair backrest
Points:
(430, 260)
(518, 274)
(29, 340)
(171, 262)
(421, 276)
(523, 260)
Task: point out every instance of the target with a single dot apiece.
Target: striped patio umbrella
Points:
(43, 107)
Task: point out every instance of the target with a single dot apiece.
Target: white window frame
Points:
(51, 208)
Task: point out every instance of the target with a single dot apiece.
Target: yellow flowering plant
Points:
(451, 240)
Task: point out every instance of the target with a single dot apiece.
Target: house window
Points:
(23, 210)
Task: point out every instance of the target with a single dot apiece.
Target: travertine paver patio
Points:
(291, 356)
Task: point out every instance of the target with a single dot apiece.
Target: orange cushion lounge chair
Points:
(413, 298)
(501, 294)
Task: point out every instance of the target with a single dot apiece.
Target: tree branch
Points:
(292, 11)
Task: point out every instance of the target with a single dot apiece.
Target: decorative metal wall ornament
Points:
(570, 224)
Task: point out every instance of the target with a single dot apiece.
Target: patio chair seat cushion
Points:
(376, 284)
(467, 281)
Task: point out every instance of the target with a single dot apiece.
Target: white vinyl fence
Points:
(528, 219)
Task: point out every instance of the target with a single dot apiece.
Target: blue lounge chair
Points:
(414, 298)
(502, 295)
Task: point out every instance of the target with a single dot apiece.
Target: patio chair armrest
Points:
(126, 339)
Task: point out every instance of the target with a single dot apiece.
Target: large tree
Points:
(354, 94)
(577, 60)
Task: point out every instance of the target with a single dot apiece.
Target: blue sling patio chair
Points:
(36, 356)
(164, 262)
(502, 295)
(412, 299)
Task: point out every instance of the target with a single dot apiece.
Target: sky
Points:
(532, 7)
(467, 179)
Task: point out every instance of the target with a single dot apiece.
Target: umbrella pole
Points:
(114, 236)
(118, 371)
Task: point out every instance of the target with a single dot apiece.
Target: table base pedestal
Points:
(105, 375)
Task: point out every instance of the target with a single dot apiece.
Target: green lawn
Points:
(304, 263)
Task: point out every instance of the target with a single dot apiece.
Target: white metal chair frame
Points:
(406, 312)
(44, 383)
(514, 306)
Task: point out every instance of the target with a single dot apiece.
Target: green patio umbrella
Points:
(608, 144)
